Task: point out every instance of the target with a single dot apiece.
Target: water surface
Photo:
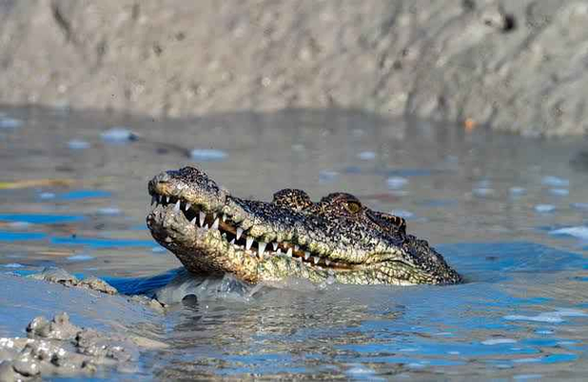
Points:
(509, 213)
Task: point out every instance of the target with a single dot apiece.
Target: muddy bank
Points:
(107, 333)
(516, 66)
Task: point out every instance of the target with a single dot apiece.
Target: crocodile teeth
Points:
(249, 243)
(275, 245)
(224, 217)
(215, 224)
(193, 221)
(201, 217)
(316, 259)
(177, 206)
(327, 262)
(224, 235)
(279, 251)
(188, 205)
(239, 232)
(168, 239)
(306, 255)
(232, 241)
(261, 247)
(205, 226)
(289, 253)
(296, 247)
(167, 199)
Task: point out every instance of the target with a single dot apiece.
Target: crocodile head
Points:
(336, 239)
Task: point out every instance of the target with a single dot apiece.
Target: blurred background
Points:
(517, 66)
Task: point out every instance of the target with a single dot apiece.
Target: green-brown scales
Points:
(336, 239)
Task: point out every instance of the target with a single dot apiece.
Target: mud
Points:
(60, 347)
(511, 65)
(61, 276)
(111, 342)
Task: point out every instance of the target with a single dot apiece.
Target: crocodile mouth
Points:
(233, 234)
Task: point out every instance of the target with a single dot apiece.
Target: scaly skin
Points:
(337, 239)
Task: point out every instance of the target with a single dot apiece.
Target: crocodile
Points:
(337, 239)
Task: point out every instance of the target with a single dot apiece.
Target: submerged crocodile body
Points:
(336, 239)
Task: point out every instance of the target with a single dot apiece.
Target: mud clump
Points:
(60, 276)
(58, 347)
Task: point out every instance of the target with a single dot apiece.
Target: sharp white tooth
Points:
(279, 251)
(232, 241)
(261, 247)
(153, 199)
(167, 200)
(168, 239)
(327, 262)
(275, 244)
(188, 205)
(316, 259)
(289, 253)
(205, 226)
(296, 248)
(193, 221)
(249, 243)
(239, 232)
(201, 217)
(177, 206)
(224, 217)
(224, 235)
(306, 255)
(215, 224)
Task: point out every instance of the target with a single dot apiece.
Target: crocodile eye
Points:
(353, 207)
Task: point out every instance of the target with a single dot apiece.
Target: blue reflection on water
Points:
(21, 236)
(85, 194)
(41, 218)
(101, 243)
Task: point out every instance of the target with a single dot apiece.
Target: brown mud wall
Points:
(512, 65)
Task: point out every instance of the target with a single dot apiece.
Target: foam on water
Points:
(580, 232)
(208, 155)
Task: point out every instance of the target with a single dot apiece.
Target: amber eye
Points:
(353, 207)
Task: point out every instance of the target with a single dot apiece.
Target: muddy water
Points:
(511, 214)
